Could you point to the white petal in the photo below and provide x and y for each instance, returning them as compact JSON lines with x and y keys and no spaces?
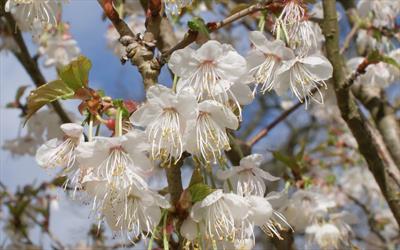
{"x":260,"y":210}
{"x":146,"y":114}
{"x":238,"y":205}
{"x":197,"y":212}
{"x":46,"y":151}
{"x":319,"y":66}
{"x":220,"y":114}
{"x":186,"y":104}
{"x":189,"y":138}
{"x":231,"y":66}
{"x":264,"y":174}
{"x":189,"y":229}
{"x":91,"y":154}
{"x":210,"y":51}
{"x":255,"y":58}
{"x":182,"y":62}
{"x":226,"y":174}
{"x":72,"y":129}
{"x":212,"y":198}
{"x":260,"y":41}
{"x":136,"y":142}
{"x":252,"y":161}
{"x":242,"y":93}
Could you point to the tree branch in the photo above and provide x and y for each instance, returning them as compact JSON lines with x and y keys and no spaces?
{"x":370,"y":143}
{"x":140,"y":52}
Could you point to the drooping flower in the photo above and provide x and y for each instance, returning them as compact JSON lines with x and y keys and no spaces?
{"x":135,"y":214}
{"x":56,"y":152}
{"x":120,"y":161}
{"x":295,"y":28}
{"x":174,"y":7}
{"x":27,"y":12}
{"x":248,"y":178}
{"x":383,"y":13}
{"x":210,"y":70}
{"x":164,"y":116}
{"x":206,"y":136}
{"x":325,"y":235}
{"x":377,"y":75}
{"x":305,"y":207}
{"x":304,"y":76}
{"x":265,"y":59}
{"x":59,"y":50}
{"x":219,"y":211}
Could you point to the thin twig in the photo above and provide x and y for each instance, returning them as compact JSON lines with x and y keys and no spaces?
{"x":349,"y":38}
{"x":275,"y":122}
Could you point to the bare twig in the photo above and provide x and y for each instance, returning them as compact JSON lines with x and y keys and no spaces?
{"x":349,"y":38}
{"x":273,"y":124}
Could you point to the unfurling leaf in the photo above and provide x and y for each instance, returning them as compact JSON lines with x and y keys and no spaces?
{"x":198,"y":24}
{"x":20,"y":92}
{"x":46,"y":94}
{"x":199,"y":191}
{"x":76,"y":74}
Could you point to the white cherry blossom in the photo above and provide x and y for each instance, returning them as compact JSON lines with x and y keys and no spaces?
{"x":219,"y":212}
{"x":27,"y":12}
{"x":248,"y":178}
{"x":174,"y":7}
{"x":325,"y":235}
{"x":164,"y":116}
{"x":120,"y":161}
{"x":293,"y":25}
{"x":384,"y":13}
{"x":206,"y":136}
{"x":303,"y":76}
{"x":377,"y":75}
{"x":56,"y":152}
{"x":210,"y":70}
{"x":59,"y":50}
{"x":304,"y":207}
{"x":265,"y":59}
{"x":135,"y":214}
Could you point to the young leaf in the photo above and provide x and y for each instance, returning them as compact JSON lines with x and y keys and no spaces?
{"x":46,"y":94}
{"x":198,"y":24}
{"x":76,"y":74}
{"x":20,"y":92}
{"x":199,"y":191}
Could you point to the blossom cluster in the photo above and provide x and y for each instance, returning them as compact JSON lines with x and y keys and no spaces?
{"x":42,"y":18}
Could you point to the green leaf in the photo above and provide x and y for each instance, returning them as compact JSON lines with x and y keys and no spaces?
{"x":198,"y":24}
{"x":76,"y":74}
{"x":288,"y":161}
{"x":300,"y":154}
{"x":200,"y":191}
{"x":376,"y":56}
{"x":119,"y":7}
{"x":46,"y":94}
{"x":391,"y":61}
{"x":20,"y":92}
